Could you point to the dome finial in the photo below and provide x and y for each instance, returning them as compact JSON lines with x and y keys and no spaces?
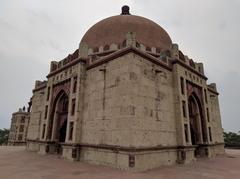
{"x":125,"y":10}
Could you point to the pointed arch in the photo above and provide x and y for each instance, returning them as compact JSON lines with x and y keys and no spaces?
{"x":58,"y":117}
{"x":196,"y":117}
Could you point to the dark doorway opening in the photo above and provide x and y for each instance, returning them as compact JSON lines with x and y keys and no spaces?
{"x":61,"y":113}
{"x":193,"y":109}
{"x":62,"y":132}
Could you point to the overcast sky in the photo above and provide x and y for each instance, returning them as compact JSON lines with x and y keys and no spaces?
{"x":32,"y":33}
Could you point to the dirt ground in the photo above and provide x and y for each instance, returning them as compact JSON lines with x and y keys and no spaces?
{"x":16,"y":163}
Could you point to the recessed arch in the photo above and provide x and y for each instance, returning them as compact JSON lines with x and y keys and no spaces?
{"x":58,"y":117}
{"x":196,"y":117}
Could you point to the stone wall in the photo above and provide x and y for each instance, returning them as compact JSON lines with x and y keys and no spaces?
{"x":128,"y":104}
{"x":215,"y":118}
{"x":141,"y":161}
{"x":37,"y":112}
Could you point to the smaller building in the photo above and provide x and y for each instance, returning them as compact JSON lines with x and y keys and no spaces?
{"x":19,"y":126}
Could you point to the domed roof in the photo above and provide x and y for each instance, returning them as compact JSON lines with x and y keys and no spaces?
{"x":114,"y":30}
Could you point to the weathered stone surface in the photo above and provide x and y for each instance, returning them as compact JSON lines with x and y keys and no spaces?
{"x":19,"y":128}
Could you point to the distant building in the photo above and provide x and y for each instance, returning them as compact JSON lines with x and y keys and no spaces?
{"x":127,"y":98}
{"x":18,"y":129}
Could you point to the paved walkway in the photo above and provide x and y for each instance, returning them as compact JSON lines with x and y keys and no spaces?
{"x":16,"y":163}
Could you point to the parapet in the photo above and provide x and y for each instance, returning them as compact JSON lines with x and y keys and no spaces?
{"x":93,"y":55}
{"x":198,"y":67}
{"x":212,"y":86}
{"x":71,"y":57}
{"x":39,"y":85}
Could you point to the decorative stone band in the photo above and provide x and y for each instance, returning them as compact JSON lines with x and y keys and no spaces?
{"x":21,"y":112}
{"x":189,"y":68}
{"x":17,"y":142}
{"x":213,"y":91}
{"x":76,"y":61}
{"x":92,"y":64}
{"x":40,"y":87}
{"x":149,"y":57}
{"x":126,"y":51}
{"x":127,"y":149}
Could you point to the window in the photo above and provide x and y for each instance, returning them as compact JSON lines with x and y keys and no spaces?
{"x":73,"y":106}
{"x":186,"y":132}
{"x":199,"y":69}
{"x":210,"y":133}
{"x":70,"y":131}
{"x":74,"y":85}
{"x":43,"y":131}
{"x":23,"y":119}
{"x":182,"y":85}
{"x":190,"y":75}
{"x":48,"y":93}
{"x":131,"y":161}
{"x":21,"y":129}
{"x":184,"y":109}
{"x":20,"y":137}
{"x":205,"y":94}
{"x":46,"y":112}
{"x":208,"y":115}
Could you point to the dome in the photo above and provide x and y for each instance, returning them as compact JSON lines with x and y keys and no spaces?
{"x":114,"y":30}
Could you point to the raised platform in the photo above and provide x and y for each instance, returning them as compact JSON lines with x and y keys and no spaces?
{"x":128,"y":158}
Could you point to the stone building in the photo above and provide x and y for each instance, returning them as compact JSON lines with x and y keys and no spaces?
{"x":126,"y":98}
{"x":18,"y":129}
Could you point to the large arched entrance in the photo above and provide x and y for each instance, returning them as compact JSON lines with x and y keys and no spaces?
{"x":60,"y":114}
{"x":196,"y":122}
{"x":194,"y":116}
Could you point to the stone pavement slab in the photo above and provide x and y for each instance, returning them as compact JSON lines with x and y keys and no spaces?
{"x":16,"y":163}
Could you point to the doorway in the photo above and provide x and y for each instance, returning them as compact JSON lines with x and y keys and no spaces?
{"x":60,"y":116}
{"x":196,"y":122}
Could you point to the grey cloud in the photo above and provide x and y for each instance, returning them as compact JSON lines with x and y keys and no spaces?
{"x":222,"y":25}
{"x":39,"y":15}
{"x":5,"y":25}
{"x":55,"y":46}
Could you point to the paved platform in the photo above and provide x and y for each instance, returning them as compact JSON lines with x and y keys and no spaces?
{"x":16,"y":163}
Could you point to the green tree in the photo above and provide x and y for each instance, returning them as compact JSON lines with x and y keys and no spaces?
{"x":231,"y":139}
{"x":4,"y":136}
